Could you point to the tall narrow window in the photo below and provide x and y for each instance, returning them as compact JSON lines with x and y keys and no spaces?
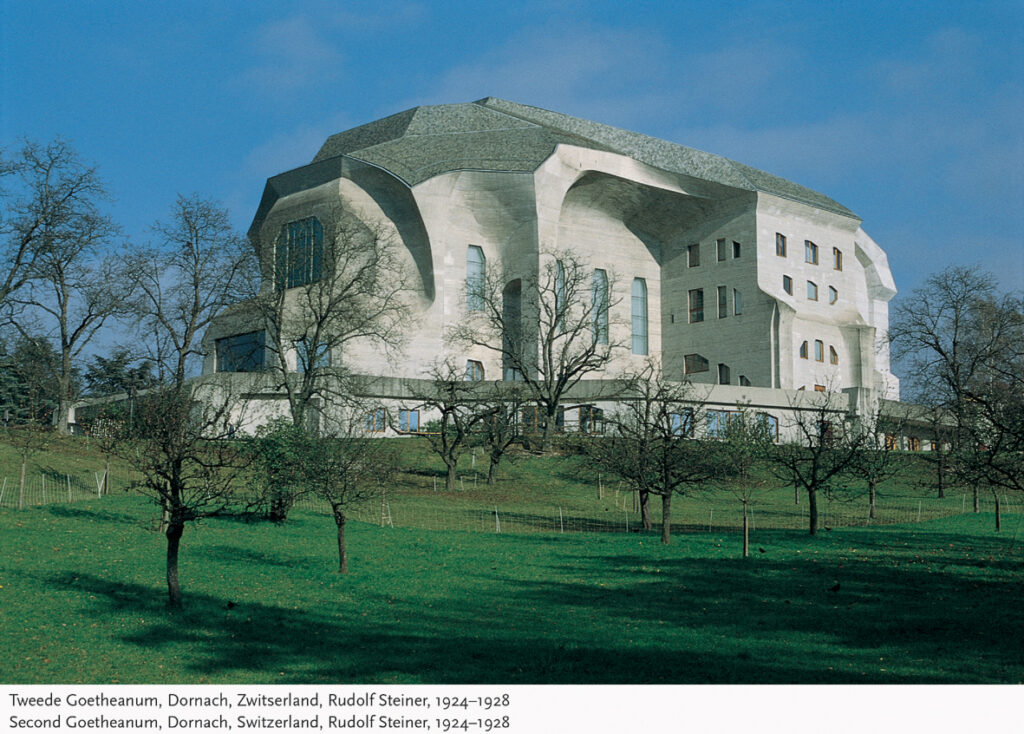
{"x":299,"y":253}
{"x":693,"y":255}
{"x":837,"y":258}
{"x":833,"y":295}
{"x":812,"y":291}
{"x":735,"y":249}
{"x":474,"y":371}
{"x":737,"y":302}
{"x":723,"y":250}
{"x":780,"y":244}
{"x":476,"y":272}
{"x":723,"y":374}
{"x":599,"y":302}
{"x":833,"y":355}
{"x":639,"y":316}
{"x":810,"y":252}
{"x":375,"y":420}
{"x":803,"y":351}
{"x":409,"y":420}
{"x":723,"y":301}
{"x":696,"y":305}
{"x":819,"y":351}
{"x":787,"y":284}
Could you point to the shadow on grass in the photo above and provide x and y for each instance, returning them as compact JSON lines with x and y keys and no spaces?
{"x":891,"y":619}
{"x":95,"y":514}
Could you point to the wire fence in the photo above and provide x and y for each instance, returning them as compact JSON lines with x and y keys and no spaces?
{"x":618,"y":513}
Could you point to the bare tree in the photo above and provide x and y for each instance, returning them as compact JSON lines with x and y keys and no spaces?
{"x":178,"y":439}
{"x":875,"y":458}
{"x":821,"y":448}
{"x":198,"y":266}
{"x":746,"y":438}
{"x":347,"y":284}
{"x":53,"y":195}
{"x":550,"y":330}
{"x":499,"y":426}
{"x":458,"y":402}
{"x":653,"y":443}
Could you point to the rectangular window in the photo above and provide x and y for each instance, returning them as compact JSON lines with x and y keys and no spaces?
{"x":803,"y":351}
{"x":696,"y":305}
{"x":812,"y":291}
{"x":723,"y":301}
{"x":837,"y":258}
{"x":681,"y":423}
{"x":833,"y":295}
{"x":693,"y":255}
{"x":833,"y":355}
{"x":892,"y":442}
{"x":735,"y":249}
{"x":307,"y":359}
{"x":476,"y":275}
{"x":591,"y":420}
{"x":723,"y":374}
{"x":376,"y":420}
{"x":599,"y":296}
{"x":810,"y":252}
{"x":409,"y":420}
{"x":819,"y":351}
{"x":694,"y":363}
{"x":780,"y":244}
{"x":474,"y":371}
{"x":723,"y":250}
{"x":744,"y":381}
{"x":639,"y":298}
{"x":718,"y":423}
{"x":769,"y":424}
{"x":787,"y":284}
{"x":241,"y":353}
{"x":819,"y":388}
{"x":737,"y":302}
{"x":299,"y":253}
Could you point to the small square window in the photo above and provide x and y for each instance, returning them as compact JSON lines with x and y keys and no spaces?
{"x":723,"y":251}
{"x":693,"y":363}
{"x":812,"y":291}
{"x":811,"y":252}
{"x":744,"y":381}
{"x":780,"y":244}
{"x":787,"y":284}
{"x":833,"y":295}
{"x":735,"y":249}
{"x":837,"y":258}
{"x":693,"y":255}
{"x":819,"y":388}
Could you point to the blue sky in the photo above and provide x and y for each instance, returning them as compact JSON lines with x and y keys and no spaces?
{"x":911,"y":113}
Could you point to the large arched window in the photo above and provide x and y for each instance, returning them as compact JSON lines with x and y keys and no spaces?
{"x":599,"y":303}
{"x":299,"y":253}
{"x":639,"y":316}
{"x":476,"y":271}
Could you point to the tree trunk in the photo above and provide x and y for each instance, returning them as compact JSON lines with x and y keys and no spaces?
{"x":666,"y":518}
{"x":21,"y":487}
{"x":645,"y":509}
{"x":871,"y":500}
{"x":106,"y":476}
{"x":977,"y":500}
{"x":746,"y":532}
{"x":942,"y":474}
{"x":548,"y":436}
{"x":812,"y":510}
{"x":998,"y":518}
{"x":492,"y":470}
{"x":449,"y":481}
{"x":796,"y":495}
{"x":339,"y":519}
{"x":174,"y":531}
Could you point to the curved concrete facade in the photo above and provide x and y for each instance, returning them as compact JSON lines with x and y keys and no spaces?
{"x":520,"y":183}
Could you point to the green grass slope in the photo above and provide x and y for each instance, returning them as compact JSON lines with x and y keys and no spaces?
{"x":82,"y":601}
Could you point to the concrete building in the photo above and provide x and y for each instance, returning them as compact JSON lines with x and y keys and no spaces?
{"x":727,"y":274}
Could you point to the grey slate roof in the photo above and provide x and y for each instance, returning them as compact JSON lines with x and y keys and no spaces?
{"x":495,"y":134}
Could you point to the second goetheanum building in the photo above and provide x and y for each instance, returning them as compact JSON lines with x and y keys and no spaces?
{"x":727,"y":275}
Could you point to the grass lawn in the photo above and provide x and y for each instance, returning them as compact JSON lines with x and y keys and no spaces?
{"x":82,"y":601}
